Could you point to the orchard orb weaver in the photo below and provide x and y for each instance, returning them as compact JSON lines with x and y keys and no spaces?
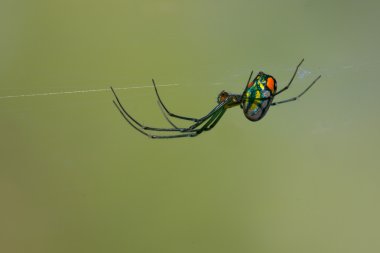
{"x":255,"y":101}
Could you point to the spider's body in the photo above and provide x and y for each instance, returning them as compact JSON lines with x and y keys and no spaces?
{"x":255,"y":101}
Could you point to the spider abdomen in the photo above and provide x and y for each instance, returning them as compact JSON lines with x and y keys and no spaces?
{"x":258,"y":96}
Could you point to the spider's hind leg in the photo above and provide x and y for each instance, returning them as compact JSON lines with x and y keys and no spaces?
{"x":297,"y":97}
{"x":291,"y":80}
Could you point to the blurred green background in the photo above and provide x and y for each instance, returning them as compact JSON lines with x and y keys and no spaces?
{"x":74,"y":177}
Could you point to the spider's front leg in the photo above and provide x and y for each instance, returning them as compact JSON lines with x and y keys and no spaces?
{"x":213,"y":116}
{"x":163,"y":107}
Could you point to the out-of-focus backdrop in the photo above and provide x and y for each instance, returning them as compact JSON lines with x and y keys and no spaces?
{"x":75,"y":177}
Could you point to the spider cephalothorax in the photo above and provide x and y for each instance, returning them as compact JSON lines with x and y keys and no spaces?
{"x":255,"y":101}
{"x":223,"y":95}
{"x":234,"y":99}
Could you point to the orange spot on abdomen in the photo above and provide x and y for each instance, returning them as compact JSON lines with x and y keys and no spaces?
{"x":270,"y":84}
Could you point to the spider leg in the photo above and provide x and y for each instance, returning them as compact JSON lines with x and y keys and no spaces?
{"x":291,"y":80}
{"x":249,"y":79}
{"x":126,"y":118}
{"x":191,"y":133}
{"x":165,"y":115}
{"x":191,"y":128}
{"x":220,"y":106}
{"x":216,"y":120}
{"x":151,"y":135}
{"x":121,"y":108}
{"x":297,"y":97}
{"x":166,"y":110}
{"x":212,"y":121}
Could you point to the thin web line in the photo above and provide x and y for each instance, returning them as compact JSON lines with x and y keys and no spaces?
{"x":83,"y":91}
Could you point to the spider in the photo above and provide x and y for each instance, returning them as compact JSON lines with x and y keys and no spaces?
{"x":255,"y":101}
